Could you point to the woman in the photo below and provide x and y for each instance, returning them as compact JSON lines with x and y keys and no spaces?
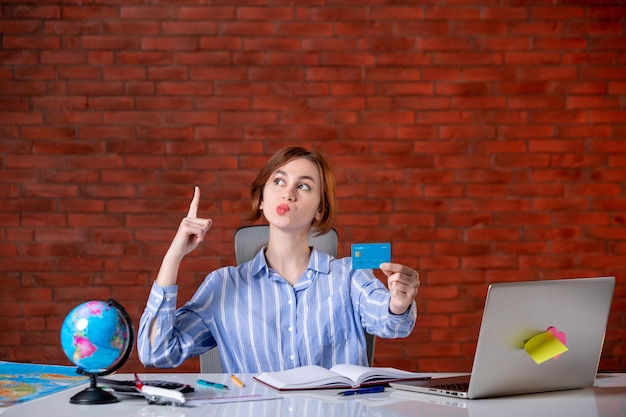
{"x":291,"y":305}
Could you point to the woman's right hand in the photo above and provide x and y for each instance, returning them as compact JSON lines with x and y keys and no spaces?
{"x":191,"y":231}
{"x":189,"y":235}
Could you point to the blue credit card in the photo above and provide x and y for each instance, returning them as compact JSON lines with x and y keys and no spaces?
{"x":370,"y":255}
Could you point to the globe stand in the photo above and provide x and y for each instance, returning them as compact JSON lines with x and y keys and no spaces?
{"x":93,"y":394}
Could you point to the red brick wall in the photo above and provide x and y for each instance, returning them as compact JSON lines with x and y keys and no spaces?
{"x":485,"y":141}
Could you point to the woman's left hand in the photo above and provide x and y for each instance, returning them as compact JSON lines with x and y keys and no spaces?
{"x":403,"y":283}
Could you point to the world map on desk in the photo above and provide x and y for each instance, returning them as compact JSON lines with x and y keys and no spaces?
{"x":21,"y":382}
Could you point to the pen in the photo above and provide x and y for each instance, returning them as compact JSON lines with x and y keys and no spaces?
{"x":211,"y":384}
{"x":367,"y":390}
{"x":237,"y":381}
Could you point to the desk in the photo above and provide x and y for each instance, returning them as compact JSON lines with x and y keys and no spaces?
{"x":607,"y":398}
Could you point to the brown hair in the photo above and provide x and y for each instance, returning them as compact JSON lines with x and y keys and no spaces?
{"x":327,"y":197}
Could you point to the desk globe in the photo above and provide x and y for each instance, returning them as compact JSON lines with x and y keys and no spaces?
{"x":98,"y":338}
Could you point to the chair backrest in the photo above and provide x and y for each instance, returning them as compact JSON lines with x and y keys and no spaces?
{"x":248,"y":241}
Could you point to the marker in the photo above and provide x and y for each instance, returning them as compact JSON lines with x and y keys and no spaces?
{"x":210,"y":384}
{"x":367,"y":390}
{"x":237,"y":381}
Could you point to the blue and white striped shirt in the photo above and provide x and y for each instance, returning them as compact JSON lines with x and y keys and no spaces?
{"x":262,"y":323}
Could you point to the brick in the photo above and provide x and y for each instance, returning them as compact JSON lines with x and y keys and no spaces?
{"x":352,"y":103}
{"x":387,"y":74}
{"x":617,"y":161}
{"x":124,"y":73}
{"x":551,"y":72}
{"x":399,"y":13}
{"x":572,"y":161}
{"x":292,"y":58}
{"x":145,"y":57}
{"x":216,"y":43}
{"x":74,"y":117}
{"x":372,"y":28}
{"x":310,"y":29}
{"x":546,"y":263}
{"x":520,"y":249}
{"x":218,"y":13}
{"x":176,"y":27}
{"x":437,"y":117}
{"x":184,"y":88}
{"x":532,"y":58}
{"x":609,"y":43}
{"x":605,"y":233}
{"x":31,"y":42}
{"x":426,"y":31}
{"x":596,"y":189}
{"x":590,"y":58}
{"x":595,"y":28}
{"x":26,"y":264}
{"x":90,"y":12}
{"x":165,"y":103}
{"x":397,"y":117}
{"x":62,"y":57}
{"x":160,"y":43}
{"x":346,"y":59}
{"x":543,"y":145}
{"x":607,"y":12}
{"x":249,"y":58}
{"x":403,"y":59}
{"x":535,"y":161}
{"x":607,"y":175}
{"x":167,"y":73}
{"x":598,"y":131}
{"x":607,"y":116}
{"x":246,"y":28}
{"x":80,"y":73}
{"x":39,"y":73}
{"x":527,"y":102}
{"x":277,"y":103}
{"x":9,"y":26}
{"x":388,"y":44}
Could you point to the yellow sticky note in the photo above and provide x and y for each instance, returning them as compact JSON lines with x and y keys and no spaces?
{"x":544,"y":346}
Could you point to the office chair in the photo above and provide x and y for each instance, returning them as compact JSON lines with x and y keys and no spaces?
{"x":248,"y":241}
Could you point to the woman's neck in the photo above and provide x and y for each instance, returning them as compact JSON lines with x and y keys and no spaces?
{"x":288,"y":254}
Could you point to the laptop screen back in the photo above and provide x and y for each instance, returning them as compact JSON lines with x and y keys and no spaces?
{"x":516,"y":312}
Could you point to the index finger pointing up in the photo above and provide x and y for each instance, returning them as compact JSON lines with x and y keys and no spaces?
{"x":193,"y":207}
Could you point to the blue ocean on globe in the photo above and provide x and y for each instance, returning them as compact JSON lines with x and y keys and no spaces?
{"x":95,"y":336}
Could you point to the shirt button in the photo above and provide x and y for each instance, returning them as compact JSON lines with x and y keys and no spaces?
{"x":168,"y":298}
{"x":292,"y":357}
{"x":290,"y":329}
{"x":290,"y":302}
{"x":309,"y":273}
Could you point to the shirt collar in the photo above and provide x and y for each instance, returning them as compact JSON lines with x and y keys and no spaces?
{"x":319,"y":263}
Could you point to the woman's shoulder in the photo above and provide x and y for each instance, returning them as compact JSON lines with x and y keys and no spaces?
{"x":225,"y":272}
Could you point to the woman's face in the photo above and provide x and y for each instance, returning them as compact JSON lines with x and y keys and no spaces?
{"x":292,"y":194}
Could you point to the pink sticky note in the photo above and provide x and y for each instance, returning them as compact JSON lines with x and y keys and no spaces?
{"x":546,"y":345}
{"x":559,"y":335}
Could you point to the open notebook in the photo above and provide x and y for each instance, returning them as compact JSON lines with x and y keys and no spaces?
{"x":516,"y":354}
{"x":339,"y":376}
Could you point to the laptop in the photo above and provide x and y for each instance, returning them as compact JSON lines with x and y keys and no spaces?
{"x":515,"y":312}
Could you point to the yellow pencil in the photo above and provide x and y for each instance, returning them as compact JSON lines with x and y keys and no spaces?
{"x":237,"y":381}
